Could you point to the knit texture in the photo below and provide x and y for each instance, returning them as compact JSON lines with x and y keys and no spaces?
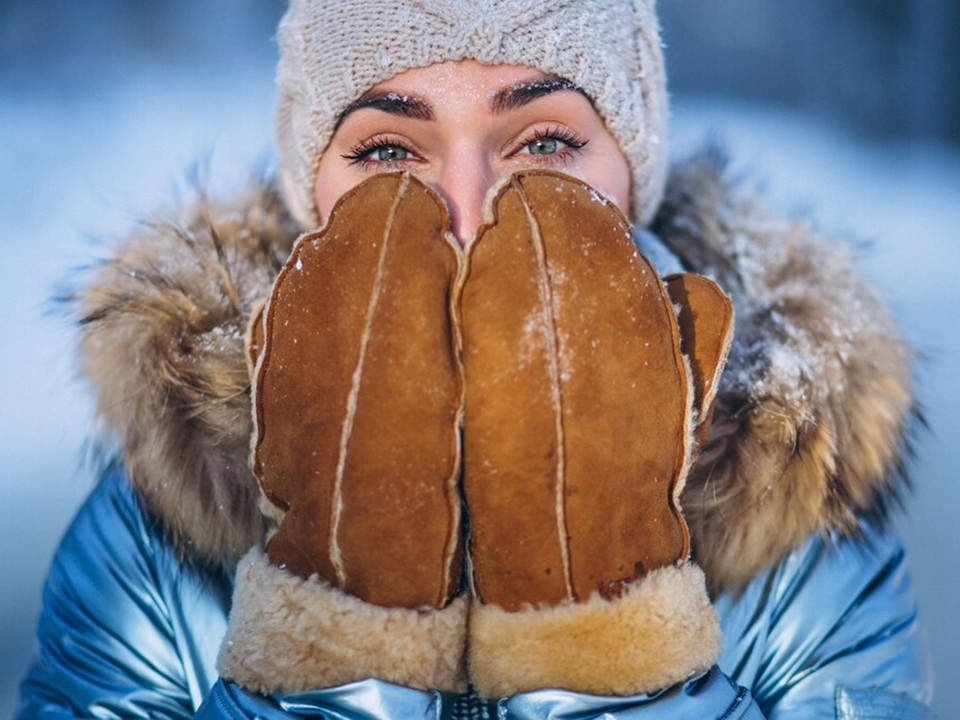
{"x":332,"y":51}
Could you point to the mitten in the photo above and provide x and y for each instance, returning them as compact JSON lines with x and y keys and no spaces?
{"x":586,"y":381}
{"x":357,"y":394}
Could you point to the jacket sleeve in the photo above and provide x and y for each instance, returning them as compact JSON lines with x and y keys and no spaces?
{"x":362,"y":700}
{"x":711,"y":696}
{"x":110,"y":639}
{"x":831,"y":632}
{"x":129,"y":630}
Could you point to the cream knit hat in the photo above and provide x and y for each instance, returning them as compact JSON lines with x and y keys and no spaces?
{"x":332,"y":51}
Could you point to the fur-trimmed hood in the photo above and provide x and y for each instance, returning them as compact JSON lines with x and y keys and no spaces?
{"x":808,"y":429}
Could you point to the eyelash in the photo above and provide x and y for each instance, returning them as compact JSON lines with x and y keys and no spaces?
{"x":569,"y":138}
{"x":360,"y":153}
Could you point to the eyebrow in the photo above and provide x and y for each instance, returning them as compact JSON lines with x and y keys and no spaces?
{"x":392,"y":103}
{"x":504,"y":100}
{"x":525,"y":93}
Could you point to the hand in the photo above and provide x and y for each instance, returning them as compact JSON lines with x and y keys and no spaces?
{"x":357,"y":394}
{"x":579,"y":430}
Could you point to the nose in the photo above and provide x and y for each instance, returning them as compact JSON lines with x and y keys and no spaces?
{"x":464,"y":185}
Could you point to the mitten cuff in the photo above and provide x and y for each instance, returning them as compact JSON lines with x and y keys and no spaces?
{"x":661,"y":631}
{"x":287,"y":634}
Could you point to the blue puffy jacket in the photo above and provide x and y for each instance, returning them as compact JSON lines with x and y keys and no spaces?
{"x":786,"y":504}
{"x":128,"y":630}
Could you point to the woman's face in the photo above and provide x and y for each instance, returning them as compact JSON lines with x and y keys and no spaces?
{"x":462,"y":126}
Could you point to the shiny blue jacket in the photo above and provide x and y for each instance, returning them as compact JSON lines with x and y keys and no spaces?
{"x":784,"y":504}
{"x":130,"y":631}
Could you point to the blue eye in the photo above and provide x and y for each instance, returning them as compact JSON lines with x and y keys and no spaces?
{"x":543,"y":146}
{"x":391,"y":153}
{"x":378,"y":150}
{"x":553,"y":144}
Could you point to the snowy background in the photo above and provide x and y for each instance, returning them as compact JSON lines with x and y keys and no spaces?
{"x":105,"y":109}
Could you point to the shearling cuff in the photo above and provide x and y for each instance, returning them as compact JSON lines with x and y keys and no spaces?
{"x":661,"y":631}
{"x":287,"y":634}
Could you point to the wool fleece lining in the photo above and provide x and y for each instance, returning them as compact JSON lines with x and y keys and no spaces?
{"x":267,"y":647}
{"x":661,"y":631}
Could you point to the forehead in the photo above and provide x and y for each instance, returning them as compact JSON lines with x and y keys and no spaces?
{"x":460,"y":81}
{"x":464,"y":72}
{"x":426,"y":93}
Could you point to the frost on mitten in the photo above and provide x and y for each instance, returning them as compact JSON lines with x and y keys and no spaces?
{"x":357,"y":394}
{"x":579,"y":429}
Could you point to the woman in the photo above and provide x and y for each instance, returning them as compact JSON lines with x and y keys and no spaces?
{"x":489,"y":109}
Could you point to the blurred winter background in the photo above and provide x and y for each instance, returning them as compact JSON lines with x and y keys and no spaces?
{"x":847,"y":108}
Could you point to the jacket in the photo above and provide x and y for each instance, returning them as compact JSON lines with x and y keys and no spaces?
{"x":787,"y":506}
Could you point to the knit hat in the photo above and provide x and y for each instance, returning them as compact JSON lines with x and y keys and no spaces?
{"x":332,"y":51}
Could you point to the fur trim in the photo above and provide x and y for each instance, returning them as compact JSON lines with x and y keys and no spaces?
{"x":810,"y":415}
{"x":808,"y":427}
{"x":287,"y":634}
{"x":162,"y":342}
{"x":661,"y":631}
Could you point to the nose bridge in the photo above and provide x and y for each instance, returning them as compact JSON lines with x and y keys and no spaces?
{"x":464,"y":181}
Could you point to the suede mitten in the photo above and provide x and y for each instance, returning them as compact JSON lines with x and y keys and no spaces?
{"x":585,"y":388}
{"x":357,"y":394}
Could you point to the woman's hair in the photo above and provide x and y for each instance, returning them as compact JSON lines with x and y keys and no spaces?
{"x":333,"y":51}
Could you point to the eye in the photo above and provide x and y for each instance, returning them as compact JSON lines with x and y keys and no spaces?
{"x":552,"y":142}
{"x":543,"y":146}
{"x":379,"y":150}
{"x":391,"y":153}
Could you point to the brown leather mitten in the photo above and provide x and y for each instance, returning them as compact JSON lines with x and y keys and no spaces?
{"x":579,"y":425}
{"x":357,"y":394}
